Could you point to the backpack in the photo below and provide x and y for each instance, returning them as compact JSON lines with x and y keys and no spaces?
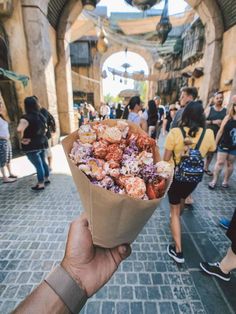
{"x":51,"y":124}
{"x":191,"y":167}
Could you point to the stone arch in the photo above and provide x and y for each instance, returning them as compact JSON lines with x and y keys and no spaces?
{"x":7,"y":87}
{"x":208,"y":12}
{"x":4,"y":49}
{"x":146,"y":55}
{"x":211,"y":18}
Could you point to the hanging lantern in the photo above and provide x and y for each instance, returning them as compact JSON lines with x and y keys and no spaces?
{"x":89,"y":5}
{"x":164,"y":26}
{"x":159,"y":64}
{"x":143,"y":4}
{"x":102,"y":44}
{"x":104,"y":74}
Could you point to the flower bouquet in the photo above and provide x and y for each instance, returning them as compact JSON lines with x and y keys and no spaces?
{"x":117,"y":170}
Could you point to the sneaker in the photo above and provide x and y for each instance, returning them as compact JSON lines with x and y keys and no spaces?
{"x":214,"y":269}
{"x":224,"y":223}
{"x":178,"y":257}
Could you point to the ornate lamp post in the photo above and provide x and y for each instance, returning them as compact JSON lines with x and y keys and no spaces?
{"x":164,"y":26}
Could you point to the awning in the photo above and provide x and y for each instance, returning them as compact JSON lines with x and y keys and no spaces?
{"x":126,"y":93}
{"x":6,"y":74}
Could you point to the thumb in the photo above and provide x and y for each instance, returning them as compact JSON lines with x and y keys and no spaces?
{"x":120,"y":253}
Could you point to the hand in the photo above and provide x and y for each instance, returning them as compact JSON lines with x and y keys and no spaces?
{"x":90,"y":266}
{"x":218,"y":122}
{"x":25,"y":141}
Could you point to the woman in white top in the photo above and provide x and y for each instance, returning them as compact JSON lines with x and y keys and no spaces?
{"x":5,"y":147}
{"x":132,"y":113}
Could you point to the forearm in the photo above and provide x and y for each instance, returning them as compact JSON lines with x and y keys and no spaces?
{"x":218,"y":136}
{"x":42,"y":300}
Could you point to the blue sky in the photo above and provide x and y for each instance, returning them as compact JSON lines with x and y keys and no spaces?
{"x":137,"y":63}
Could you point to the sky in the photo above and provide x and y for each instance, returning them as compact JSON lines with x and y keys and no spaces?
{"x":113,"y":87}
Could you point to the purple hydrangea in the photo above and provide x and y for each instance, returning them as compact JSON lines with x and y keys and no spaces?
{"x":148,"y":173}
{"x":117,"y":189}
{"x":132,"y":149}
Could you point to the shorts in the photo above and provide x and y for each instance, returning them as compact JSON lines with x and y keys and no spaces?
{"x":5,"y":152}
{"x":227,"y":151}
{"x":180,"y":190}
{"x":231,"y":232}
{"x":48,"y":151}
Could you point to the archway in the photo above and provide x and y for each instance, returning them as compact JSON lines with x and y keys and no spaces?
{"x":145,"y":58}
{"x":208,"y":12}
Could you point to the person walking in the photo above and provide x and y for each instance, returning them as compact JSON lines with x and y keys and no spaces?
{"x":193,"y":125}
{"x":160,"y":115}
{"x":32,"y":130}
{"x":51,"y":129}
{"x":104,"y":111}
{"x":132,"y":112}
{"x":214,"y":117}
{"x":169,"y":118}
{"x":226,"y":138}
{"x":222,"y":269}
{"x":119,"y":111}
{"x":187,"y":95}
{"x":152,"y":118}
{"x":5,"y":147}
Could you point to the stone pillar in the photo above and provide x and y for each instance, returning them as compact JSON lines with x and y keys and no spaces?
{"x":98,"y":93}
{"x":40,"y":54}
{"x":64,"y":87}
{"x":70,"y":13}
{"x":152,"y":84}
{"x":212,"y":70}
{"x":233,"y":90}
{"x":18,"y":50}
{"x":211,"y":18}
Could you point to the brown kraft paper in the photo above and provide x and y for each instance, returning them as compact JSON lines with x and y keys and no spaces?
{"x":114,"y":219}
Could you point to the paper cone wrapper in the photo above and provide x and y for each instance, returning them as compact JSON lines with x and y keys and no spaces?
{"x":114,"y":219}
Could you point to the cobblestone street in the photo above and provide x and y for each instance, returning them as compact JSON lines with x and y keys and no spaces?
{"x":33,"y":233}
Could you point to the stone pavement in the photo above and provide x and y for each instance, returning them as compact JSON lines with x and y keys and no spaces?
{"x":33,"y":228}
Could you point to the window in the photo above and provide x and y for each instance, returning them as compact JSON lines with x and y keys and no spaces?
{"x":80,"y":53}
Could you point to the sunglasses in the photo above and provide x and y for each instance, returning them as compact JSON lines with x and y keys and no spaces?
{"x":175,"y":109}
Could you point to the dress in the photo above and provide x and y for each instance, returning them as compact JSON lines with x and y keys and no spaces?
{"x":5,"y":144}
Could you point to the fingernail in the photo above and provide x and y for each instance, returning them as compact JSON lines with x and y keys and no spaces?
{"x":124,"y":249}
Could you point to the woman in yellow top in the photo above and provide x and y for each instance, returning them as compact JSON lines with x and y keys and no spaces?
{"x":193,"y":122}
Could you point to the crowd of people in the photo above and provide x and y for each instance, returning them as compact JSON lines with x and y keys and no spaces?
{"x":189,"y":129}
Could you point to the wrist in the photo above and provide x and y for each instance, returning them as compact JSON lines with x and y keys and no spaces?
{"x":69,"y":291}
{"x":74,"y":274}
